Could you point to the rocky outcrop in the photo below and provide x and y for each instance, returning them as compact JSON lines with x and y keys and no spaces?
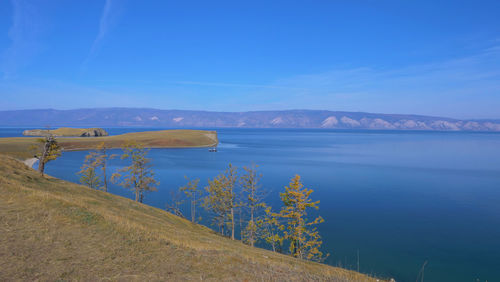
{"x":35,"y":132}
{"x":329,"y":122}
{"x":94,"y":132}
{"x":349,"y":122}
{"x":68,"y":132}
{"x":277,"y":121}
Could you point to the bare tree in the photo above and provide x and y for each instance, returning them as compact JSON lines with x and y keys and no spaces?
{"x":174,"y":204}
{"x":192,"y":192}
{"x":252,"y":200}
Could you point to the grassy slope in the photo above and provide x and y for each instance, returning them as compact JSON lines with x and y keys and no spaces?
{"x":51,"y":229}
{"x":19,"y":146}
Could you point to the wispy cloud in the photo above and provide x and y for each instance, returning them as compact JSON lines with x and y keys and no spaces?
{"x":105,"y":24}
{"x":460,"y":87}
{"x":481,"y":68}
{"x":236,"y":85}
{"x":464,"y":87}
{"x":24,"y":33}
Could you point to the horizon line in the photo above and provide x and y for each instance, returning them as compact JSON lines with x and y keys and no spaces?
{"x":213,"y":111}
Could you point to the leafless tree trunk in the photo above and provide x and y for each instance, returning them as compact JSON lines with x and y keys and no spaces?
{"x":104,"y":165}
{"x":193,"y":208}
{"x":232,"y":223}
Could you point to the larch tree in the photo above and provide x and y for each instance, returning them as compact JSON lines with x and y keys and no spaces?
{"x":216,"y":202}
{"x":192,"y":193}
{"x":50,"y":150}
{"x":252,"y":201}
{"x":95,"y":160}
{"x":230,"y":186}
{"x":101,"y":158}
{"x":270,"y":232}
{"x":174,"y":202}
{"x":88,"y":175}
{"x":221,"y":199}
{"x":139,"y":175}
{"x":303,"y":237}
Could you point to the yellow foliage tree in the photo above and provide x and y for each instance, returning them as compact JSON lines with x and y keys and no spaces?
{"x":139,"y":175}
{"x":304,"y":238}
{"x":97,"y":159}
{"x":50,"y":151}
{"x":269,"y":228}
{"x":88,"y":175}
{"x":101,"y":158}
{"x":221,"y":199}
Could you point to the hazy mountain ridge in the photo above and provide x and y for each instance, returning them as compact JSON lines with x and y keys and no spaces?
{"x":109,"y":117}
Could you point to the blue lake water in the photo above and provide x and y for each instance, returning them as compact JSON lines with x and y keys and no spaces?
{"x":399,"y":198}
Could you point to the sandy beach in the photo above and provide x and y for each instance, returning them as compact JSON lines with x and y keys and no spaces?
{"x":30,"y":162}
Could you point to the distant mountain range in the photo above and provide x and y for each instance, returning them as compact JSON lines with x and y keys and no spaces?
{"x":136,"y":117}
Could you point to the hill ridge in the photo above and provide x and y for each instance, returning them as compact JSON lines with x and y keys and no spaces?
{"x":148,"y":117}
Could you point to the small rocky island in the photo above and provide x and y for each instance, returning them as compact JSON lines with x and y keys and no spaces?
{"x":68,"y":132}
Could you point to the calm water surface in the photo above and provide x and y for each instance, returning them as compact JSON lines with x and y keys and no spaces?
{"x":399,"y":198}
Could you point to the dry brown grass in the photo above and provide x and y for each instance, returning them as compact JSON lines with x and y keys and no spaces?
{"x":63,"y":131}
{"x":19,"y":147}
{"x":51,"y":229}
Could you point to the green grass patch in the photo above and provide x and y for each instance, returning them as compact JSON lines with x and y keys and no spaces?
{"x":83,"y":216}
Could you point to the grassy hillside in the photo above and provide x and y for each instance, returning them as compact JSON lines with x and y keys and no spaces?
{"x":51,"y":229}
{"x":19,"y":146}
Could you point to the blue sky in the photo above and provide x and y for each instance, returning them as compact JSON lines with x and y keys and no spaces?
{"x":422,"y":57}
